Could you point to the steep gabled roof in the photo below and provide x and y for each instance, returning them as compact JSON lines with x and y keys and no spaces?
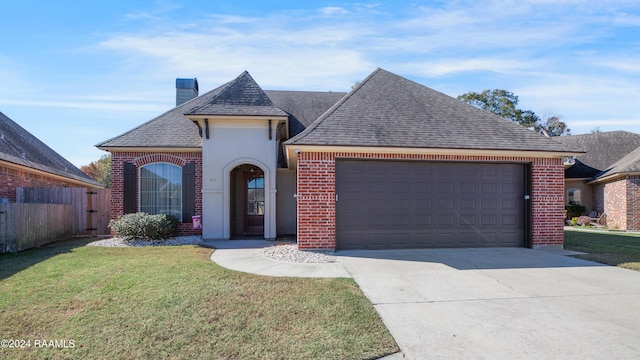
{"x":242,"y":96}
{"x":386,"y":110}
{"x":603,"y":149}
{"x":174,"y":130}
{"x":20,"y":147}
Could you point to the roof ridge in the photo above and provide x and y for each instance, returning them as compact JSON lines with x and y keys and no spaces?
{"x":332,"y":109}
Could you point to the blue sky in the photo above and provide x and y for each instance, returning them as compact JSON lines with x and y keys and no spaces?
{"x":75,"y":73}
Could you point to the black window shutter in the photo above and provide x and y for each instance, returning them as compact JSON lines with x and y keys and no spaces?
{"x":188,"y":191}
{"x":129,"y":191}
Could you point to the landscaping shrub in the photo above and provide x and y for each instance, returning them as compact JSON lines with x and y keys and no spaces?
{"x":574,"y":209}
{"x":144,"y":226}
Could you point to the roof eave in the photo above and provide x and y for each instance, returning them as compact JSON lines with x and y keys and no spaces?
{"x":614,"y":176}
{"x":112,"y":149}
{"x":89,"y":182}
{"x":293,"y":149}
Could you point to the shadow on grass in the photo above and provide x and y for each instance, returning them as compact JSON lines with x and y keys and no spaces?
{"x":13,"y":263}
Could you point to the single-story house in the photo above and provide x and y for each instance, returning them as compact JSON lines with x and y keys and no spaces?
{"x":26,"y":161}
{"x":391,"y":164}
{"x":606,"y":179}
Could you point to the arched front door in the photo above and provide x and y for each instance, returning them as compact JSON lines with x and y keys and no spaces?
{"x":253,"y":202}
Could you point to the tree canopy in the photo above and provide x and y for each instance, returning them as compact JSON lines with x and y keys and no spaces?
{"x":504,"y":103}
{"x":99,"y":170}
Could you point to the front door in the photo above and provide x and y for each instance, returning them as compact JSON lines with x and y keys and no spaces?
{"x":254,"y":202}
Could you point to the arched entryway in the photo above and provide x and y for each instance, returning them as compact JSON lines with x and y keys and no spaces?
{"x":247,"y":201}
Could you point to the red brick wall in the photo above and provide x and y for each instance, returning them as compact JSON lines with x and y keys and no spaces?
{"x":633,"y":202}
{"x":615,"y":204}
{"x":142,"y":158}
{"x":316,"y":195}
{"x":10,"y":179}
{"x":598,"y":198}
{"x":547,"y":201}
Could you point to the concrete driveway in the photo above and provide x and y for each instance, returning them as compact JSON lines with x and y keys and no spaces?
{"x":505,"y":303}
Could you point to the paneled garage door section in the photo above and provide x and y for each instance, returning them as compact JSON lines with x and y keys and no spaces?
{"x":411,"y":204}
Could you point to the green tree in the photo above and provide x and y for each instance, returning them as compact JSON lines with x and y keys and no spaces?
{"x":553,"y":126}
{"x":502,"y":103}
{"x":99,"y":170}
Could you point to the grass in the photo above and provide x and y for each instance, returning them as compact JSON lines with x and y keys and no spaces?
{"x":173,"y":302}
{"x":614,"y":248}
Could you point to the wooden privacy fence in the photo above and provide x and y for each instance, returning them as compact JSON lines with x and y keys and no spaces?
{"x":90,"y":208}
{"x":25,"y":226}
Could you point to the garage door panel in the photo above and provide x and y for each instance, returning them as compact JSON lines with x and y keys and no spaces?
{"x":489,"y":204}
{"x":509,"y":204}
{"x":445,"y":239}
{"x":489,"y":188}
{"x":377,"y":186}
{"x":445,"y":187}
{"x":508,"y":220}
{"x":423,"y":187}
{"x":403,"y":204}
{"x":467,"y":188}
{"x":509,"y":188}
{"x":423,"y":220}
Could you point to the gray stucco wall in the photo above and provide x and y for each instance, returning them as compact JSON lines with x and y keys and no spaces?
{"x":286,"y":203}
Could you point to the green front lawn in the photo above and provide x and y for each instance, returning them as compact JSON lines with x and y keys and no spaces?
{"x":173,"y":302}
{"x":613,"y":248}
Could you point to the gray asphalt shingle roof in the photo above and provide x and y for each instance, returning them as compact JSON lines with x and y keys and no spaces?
{"x":303,"y":107}
{"x":169,"y":130}
{"x":386,"y":110}
{"x":20,"y":147}
{"x":174,"y":130}
{"x":603,"y":149}
{"x":242,"y":96}
{"x":628,"y":164}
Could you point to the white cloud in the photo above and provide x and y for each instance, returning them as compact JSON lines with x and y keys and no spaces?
{"x":442,"y":67}
{"x":333,"y":10}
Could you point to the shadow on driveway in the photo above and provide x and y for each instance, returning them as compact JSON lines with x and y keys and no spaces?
{"x":477,"y":258}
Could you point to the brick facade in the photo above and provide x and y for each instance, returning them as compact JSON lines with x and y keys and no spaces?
{"x":316,"y":194}
{"x":143,"y":158}
{"x":633,"y":202}
{"x":620,"y":201}
{"x":11,"y":178}
{"x":615,"y":204}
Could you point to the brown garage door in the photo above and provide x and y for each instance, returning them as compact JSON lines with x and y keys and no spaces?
{"x":411,"y":204}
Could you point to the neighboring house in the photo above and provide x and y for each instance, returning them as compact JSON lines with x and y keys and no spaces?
{"x":606,"y":179}
{"x":391,"y":164}
{"x":26,"y":161}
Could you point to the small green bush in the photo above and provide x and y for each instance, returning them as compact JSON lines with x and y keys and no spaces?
{"x":574,"y":209}
{"x":144,"y":226}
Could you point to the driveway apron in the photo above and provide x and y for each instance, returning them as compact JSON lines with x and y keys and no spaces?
{"x":504,"y":303}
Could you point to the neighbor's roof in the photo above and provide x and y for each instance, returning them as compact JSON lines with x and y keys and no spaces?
{"x":242,"y":96}
{"x":386,"y":110}
{"x":629,"y":164}
{"x":20,"y":147}
{"x":603,"y":149}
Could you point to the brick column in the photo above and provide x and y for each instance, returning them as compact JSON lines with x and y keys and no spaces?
{"x":316,"y":201}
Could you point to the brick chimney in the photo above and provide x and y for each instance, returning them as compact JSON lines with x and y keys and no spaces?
{"x":186,"y":89}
